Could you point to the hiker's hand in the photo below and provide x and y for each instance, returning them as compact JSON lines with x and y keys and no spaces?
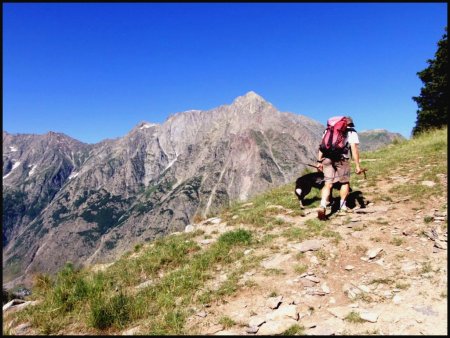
{"x":358,"y":170}
{"x":319,"y":167}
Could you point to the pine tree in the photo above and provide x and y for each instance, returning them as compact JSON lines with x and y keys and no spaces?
{"x":433,"y":99}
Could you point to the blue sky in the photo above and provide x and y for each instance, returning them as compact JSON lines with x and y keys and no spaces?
{"x":95,"y":70}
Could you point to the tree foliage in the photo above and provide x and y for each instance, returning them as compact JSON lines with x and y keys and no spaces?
{"x":433,"y":98}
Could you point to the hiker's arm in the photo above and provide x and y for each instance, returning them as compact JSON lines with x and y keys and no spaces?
{"x":355,"y":155}
{"x":319,"y":161}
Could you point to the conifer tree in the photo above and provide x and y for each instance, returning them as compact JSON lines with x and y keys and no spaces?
{"x":433,"y":98}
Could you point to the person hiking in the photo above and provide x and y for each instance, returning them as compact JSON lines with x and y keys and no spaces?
{"x":339,"y":141}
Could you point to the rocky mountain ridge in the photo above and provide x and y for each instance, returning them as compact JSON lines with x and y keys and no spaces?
{"x":376,"y":138}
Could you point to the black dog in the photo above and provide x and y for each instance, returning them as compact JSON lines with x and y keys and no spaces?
{"x":305,"y":183}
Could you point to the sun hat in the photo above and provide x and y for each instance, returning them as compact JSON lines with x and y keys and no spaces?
{"x":350,"y":121}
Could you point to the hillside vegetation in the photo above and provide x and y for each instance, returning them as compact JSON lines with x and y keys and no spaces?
{"x":220,"y":273}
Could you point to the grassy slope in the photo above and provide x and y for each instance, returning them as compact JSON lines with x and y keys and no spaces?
{"x":179,"y":269}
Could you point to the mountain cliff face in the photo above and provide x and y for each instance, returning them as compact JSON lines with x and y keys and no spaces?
{"x":35,"y":167}
{"x":69,"y":201}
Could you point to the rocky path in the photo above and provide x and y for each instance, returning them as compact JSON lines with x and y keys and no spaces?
{"x":387,"y":275}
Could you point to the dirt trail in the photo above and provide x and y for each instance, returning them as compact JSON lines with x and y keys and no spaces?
{"x":388,"y":273}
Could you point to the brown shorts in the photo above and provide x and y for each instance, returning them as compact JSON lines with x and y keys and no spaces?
{"x":336,"y":171}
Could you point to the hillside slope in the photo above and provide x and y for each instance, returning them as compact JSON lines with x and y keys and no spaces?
{"x":267,"y":267}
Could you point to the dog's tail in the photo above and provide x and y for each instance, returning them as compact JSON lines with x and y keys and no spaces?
{"x":298,"y":191}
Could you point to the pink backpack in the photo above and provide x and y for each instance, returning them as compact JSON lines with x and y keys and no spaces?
{"x":334,"y":142}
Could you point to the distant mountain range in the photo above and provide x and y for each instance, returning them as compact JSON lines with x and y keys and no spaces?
{"x":64,"y":200}
{"x":376,"y":138}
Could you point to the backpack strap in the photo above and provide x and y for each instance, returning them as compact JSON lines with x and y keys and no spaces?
{"x":349,"y":147}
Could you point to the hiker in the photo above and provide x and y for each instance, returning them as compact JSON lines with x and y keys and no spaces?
{"x":334,"y":160}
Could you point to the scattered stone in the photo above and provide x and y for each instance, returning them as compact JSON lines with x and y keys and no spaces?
{"x":206,"y":241}
{"x":12,"y":303}
{"x":315,"y":292}
{"x":364,"y":288}
{"x":275,"y":261}
{"x":314,"y":260}
{"x":282,"y":313}
{"x":21,"y":329}
{"x":325,"y":288}
{"x":214,"y":220}
{"x":369,"y":316}
{"x":397,"y":299}
{"x":372,"y":253}
{"x":131,"y":332}
{"x":248,"y":251}
{"x":226,"y":333}
{"x":189,"y":228}
{"x":431,"y":234}
{"x":202,"y":314}
{"x":329,"y":327}
{"x":256,"y":321}
{"x":440,"y":245}
{"x":312,"y":279}
{"x":309,"y":245}
{"x":308,"y":323}
{"x":144,"y":285}
{"x":252,"y":329}
{"x":321,"y":331}
{"x":350,"y":291}
{"x":428,"y":183}
{"x":274,"y":302}
{"x":276,"y":327}
{"x":19,"y":304}
{"x":349,"y":267}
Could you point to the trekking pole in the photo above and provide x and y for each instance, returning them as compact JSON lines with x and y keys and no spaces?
{"x":363,"y":170}
{"x":311,"y":165}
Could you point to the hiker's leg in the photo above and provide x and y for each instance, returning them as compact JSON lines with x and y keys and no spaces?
{"x":343,"y":170}
{"x":345,"y":190}
{"x":329,"y":173}
{"x":326,"y":192}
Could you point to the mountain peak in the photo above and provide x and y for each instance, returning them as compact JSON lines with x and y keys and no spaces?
{"x":145,"y":125}
{"x":250,"y":99}
{"x":250,"y":96}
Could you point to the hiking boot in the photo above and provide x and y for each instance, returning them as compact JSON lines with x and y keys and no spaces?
{"x":321,"y":214}
{"x":343,"y":211}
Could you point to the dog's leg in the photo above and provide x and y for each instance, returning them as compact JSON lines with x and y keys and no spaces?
{"x":298,"y":191}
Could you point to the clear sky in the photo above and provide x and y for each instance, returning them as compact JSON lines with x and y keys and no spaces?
{"x":95,"y":70}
